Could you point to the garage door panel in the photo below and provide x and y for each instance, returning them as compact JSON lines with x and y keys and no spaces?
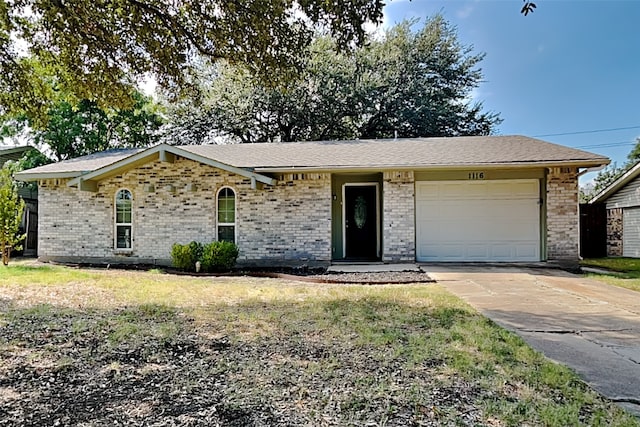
{"x":527,"y":250}
{"x":478,"y":221}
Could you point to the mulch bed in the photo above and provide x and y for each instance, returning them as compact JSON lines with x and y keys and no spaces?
{"x":303,"y":274}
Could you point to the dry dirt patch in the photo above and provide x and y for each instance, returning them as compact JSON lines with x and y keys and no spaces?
{"x":134,"y":348}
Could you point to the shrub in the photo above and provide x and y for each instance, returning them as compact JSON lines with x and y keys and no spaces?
{"x":196,"y":251}
{"x":184,"y":257}
{"x":214,"y":256}
{"x":217,"y":256}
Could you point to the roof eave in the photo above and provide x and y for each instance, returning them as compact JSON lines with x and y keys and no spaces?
{"x":35,"y":176}
{"x":17,"y":149}
{"x":503,"y":165}
{"x":616,"y":185}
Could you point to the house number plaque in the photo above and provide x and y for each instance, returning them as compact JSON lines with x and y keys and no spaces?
{"x":476,"y":175}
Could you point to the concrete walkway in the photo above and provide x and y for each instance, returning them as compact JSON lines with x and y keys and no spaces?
{"x":589,"y":326}
{"x":371,"y":267}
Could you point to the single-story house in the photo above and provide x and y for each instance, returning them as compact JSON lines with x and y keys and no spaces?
{"x":622,"y":201}
{"x":29,"y":223}
{"x":484,"y":198}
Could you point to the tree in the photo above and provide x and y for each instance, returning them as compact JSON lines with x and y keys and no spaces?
{"x":96,"y":50}
{"x":11,"y":210}
{"x":85,"y":128}
{"x":405,"y":83}
{"x":608,"y":175}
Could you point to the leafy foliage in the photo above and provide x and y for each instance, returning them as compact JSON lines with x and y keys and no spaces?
{"x":214,"y":256}
{"x":219,"y":256}
{"x":85,"y":128}
{"x":73,"y":130}
{"x":184,"y":257}
{"x":609,"y":174}
{"x":413,"y":83}
{"x":97,"y":50}
{"x":11,"y":210}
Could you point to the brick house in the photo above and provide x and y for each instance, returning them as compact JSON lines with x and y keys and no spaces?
{"x":622,"y":201}
{"x":486,"y":198}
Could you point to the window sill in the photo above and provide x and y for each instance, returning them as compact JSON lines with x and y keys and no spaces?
{"x":123,"y":251}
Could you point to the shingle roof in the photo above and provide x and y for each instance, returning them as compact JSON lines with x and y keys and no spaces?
{"x":415,"y":153}
{"x":86,"y":163}
{"x":407,"y":152}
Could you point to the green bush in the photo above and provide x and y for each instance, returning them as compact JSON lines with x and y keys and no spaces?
{"x":184,"y":257}
{"x":196,"y":251}
{"x":214,"y":256}
{"x":217,"y":256}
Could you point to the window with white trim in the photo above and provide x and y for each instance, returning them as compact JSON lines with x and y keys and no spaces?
{"x":123,"y":220}
{"x":227,"y":215}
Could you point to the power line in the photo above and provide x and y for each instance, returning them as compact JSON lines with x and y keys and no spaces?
{"x":606,"y":144}
{"x":587,"y":131}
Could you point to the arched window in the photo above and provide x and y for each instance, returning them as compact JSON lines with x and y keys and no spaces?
{"x":123,"y":220}
{"x":227,"y":215}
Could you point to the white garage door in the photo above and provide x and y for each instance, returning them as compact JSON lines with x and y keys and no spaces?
{"x":478,"y":220}
{"x":631,"y":232}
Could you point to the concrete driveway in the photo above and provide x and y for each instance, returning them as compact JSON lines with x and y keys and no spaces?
{"x":587,"y":325}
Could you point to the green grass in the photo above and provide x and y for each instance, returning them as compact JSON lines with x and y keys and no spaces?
{"x":630,"y":266}
{"x":625,"y":272}
{"x":265,"y":349}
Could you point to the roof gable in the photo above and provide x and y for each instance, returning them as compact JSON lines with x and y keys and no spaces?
{"x":617,"y":185}
{"x":164,"y":152}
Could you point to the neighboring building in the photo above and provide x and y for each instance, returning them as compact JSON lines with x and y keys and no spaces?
{"x":30,"y":197}
{"x":622,"y":201}
{"x":486,"y":198}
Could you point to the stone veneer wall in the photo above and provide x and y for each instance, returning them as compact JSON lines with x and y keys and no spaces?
{"x":288,"y":221}
{"x":614,"y":232}
{"x":398,"y":216}
{"x":563,"y":218}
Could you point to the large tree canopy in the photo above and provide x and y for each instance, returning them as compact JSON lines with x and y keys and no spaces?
{"x":404,"y":82}
{"x":85,"y":128}
{"x":95,"y":49}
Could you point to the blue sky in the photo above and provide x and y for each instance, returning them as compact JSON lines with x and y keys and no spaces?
{"x":571,"y":66}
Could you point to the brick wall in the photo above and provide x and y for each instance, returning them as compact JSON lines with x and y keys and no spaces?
{"x":176,"y":202}
{"x":398,"y":217}
{"x":563,"y":219}
{"x":614,"y":232}
{"x":289,"y":221}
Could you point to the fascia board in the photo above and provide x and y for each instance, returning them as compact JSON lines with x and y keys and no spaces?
{"x":366,"y":168}
{"x":27,"y":176}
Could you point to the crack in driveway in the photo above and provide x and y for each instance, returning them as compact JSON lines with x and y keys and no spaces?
{"x":573,"y":331}
{"x":590,"y":326}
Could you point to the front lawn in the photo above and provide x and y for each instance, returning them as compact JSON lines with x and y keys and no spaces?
{"x":91,"y":347}
{"x":629,"y":266}
{"x":625,"y":272}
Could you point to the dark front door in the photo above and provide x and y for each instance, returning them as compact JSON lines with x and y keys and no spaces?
{"x":593,"y":230}
{"x":361,"y":221}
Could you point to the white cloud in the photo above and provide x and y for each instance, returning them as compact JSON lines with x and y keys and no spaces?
{"x":465,"y":11}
